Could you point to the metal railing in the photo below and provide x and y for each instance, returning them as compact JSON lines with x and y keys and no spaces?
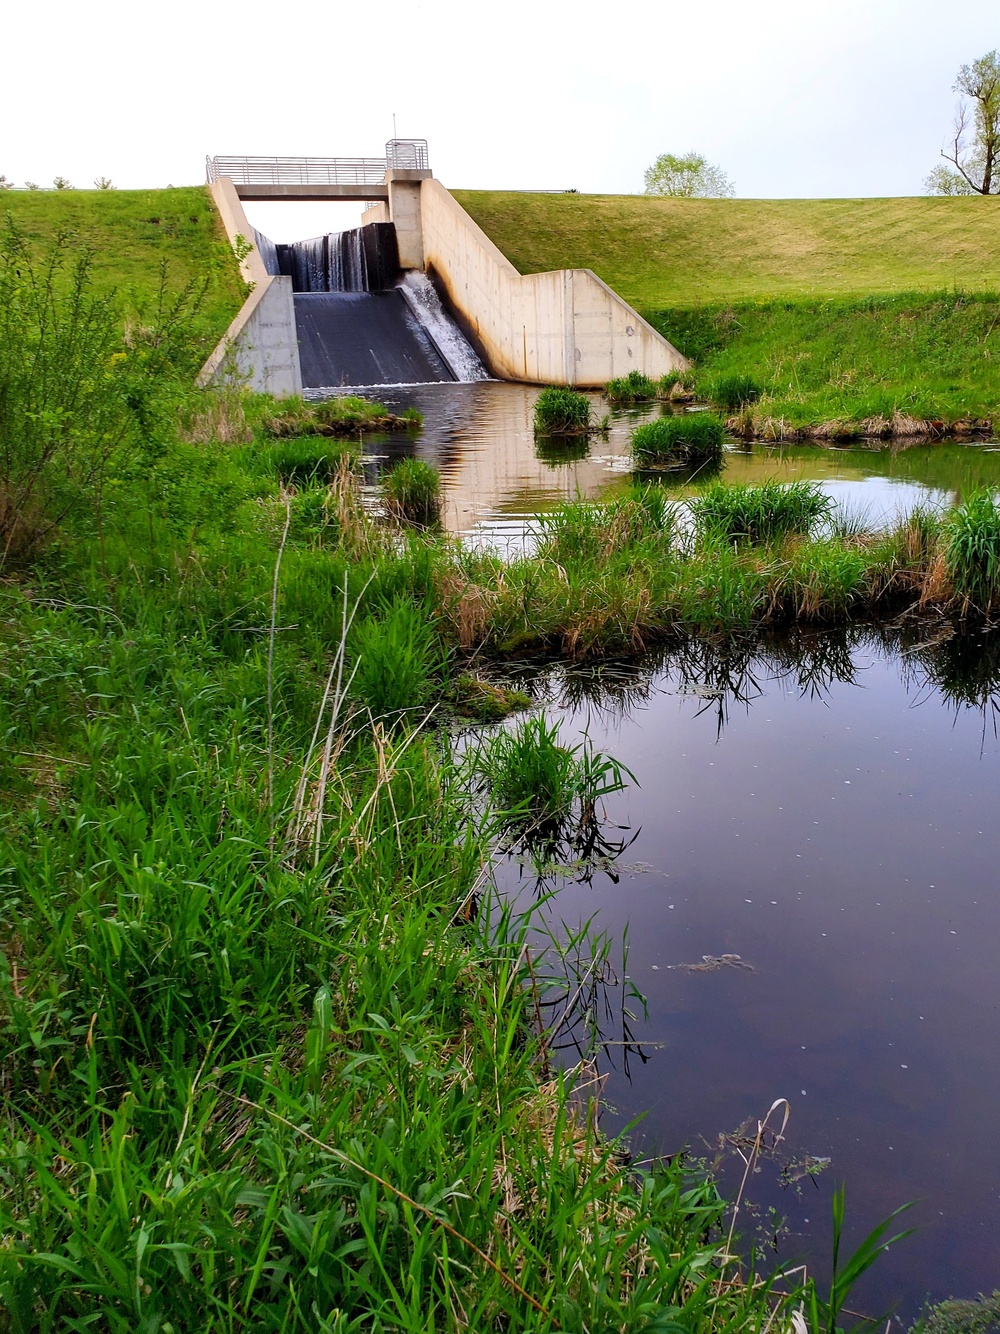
{"x":400,"y":155}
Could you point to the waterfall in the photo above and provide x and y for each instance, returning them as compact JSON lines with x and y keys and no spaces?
{"x":422,"y":298}
{"x":364,"y":259}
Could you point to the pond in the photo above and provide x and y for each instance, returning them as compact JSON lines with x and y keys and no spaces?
{"x":496,"y":476}
{"x":822,"y":810}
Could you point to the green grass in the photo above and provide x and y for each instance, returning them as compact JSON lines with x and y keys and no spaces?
{"x":762,"y":513}
{"x":632,"y":388}
{"x":411,"y":493}
{"x":133,"y":235}
{"x":843,"y":311}
{"x":561,"y":411}
{"x":690,"y":437}
{"x":663,"y":253}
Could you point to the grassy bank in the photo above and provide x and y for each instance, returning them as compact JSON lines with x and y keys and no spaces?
{"x":135,"y":237}
{"x":666,"y":253}
{"x":872,"y":316}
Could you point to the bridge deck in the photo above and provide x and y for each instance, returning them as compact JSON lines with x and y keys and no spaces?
{"x":300,"y":192}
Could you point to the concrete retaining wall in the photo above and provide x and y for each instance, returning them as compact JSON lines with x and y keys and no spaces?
{"x":260,"y":348}
{"x":564,"y":327}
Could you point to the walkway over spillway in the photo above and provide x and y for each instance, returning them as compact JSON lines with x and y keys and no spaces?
{"x":316,"y":178}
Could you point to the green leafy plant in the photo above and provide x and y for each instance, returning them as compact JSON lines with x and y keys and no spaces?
{"x":398,"y":660}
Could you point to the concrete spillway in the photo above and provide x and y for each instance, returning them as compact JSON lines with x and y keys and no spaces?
{"x":360,"y":321}
{"x":358,"y":338}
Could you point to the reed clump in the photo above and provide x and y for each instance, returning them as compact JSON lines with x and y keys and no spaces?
{"x":635,"y":387}
{"x":759,"y":514}
{"x":690,"y":437}
{"x":561,"y":411}
{"x":411,"y":493}
{"x":731,"y":393}
{"x":972,"y":551}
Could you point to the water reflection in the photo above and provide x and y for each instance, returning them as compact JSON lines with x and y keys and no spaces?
{"x":821,"y":807}
{"x":497,"y":475}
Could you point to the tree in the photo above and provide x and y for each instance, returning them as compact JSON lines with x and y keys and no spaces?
{"x":689,"y":177}
{"x":974,"y":148}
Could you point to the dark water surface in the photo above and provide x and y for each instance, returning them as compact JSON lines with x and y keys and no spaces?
{"x":496,"y":476}
{"x":828,"y":811}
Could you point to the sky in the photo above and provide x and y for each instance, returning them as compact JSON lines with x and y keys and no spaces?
{"x":792,"y":98}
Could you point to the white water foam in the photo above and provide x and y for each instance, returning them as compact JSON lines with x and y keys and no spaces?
{"x":451,"y":343}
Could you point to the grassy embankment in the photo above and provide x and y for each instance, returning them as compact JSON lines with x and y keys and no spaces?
{"x":266,"y":1062}
{"x":140,"y":239}
{"x":843,"y":310}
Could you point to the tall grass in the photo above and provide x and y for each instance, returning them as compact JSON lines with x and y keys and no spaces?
{"x":687,"y":438}
{"x":972,"y":554}
{"x":760,"y":513}
{"x":561,"y":411}
{"x":635,"y":387}
{"x":411,"y":493}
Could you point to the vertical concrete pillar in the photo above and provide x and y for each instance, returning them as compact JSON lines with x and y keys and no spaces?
{"x":404,"y":211}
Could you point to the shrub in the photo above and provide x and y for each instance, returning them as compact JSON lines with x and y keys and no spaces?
{"x":397,"y":660}
{"x":686,"y":438}
{"x":733,"y":392}
{"x":632,"y":388}
{"x":759,"y":513}
{"x":77,"y":398}
{"x":561,"y":411}
{"x":972,"y":554}
{"x":411,"y":493}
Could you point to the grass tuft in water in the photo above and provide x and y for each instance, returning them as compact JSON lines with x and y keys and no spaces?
{"x":561,"y":411}
{"x":686,"y":438}
{"x":759,"y":514}
{"x":632,"y":388}
{"x":972,"y":553}
{"x":411,"y":493}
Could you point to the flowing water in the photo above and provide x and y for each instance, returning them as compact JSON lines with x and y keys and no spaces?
{"x":806,"y":868}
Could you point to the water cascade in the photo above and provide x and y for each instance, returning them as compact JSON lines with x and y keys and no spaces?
{"x":360,"y":321}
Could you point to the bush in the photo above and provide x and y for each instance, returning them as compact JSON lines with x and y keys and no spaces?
{"x":972,"y":554}
{"x":759,"y":513}
{"x":561,"y":411}
{"x":411,"y":493}
{"x":733,"y":392}
{"x":397,"y":660}
{"x":77,"y":398}
{"x":686,"y":438}
{"x":632,"y":388}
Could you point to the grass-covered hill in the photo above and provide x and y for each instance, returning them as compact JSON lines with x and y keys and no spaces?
{"x":659,"y":253}
{"x":842,"y":309}
{"x":133,"y":236}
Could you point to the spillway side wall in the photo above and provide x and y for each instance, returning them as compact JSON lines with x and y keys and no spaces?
{"x":564,"y":327}
{"x":260,"y":348}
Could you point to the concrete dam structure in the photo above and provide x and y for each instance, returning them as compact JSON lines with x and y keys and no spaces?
{"x":417,"y":294}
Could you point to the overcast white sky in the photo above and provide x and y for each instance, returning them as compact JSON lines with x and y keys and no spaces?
{"x":790,"y":97}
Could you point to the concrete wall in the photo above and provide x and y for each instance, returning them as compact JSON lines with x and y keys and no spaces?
{"x":565,"y":327}
{"x":260,"y":348}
